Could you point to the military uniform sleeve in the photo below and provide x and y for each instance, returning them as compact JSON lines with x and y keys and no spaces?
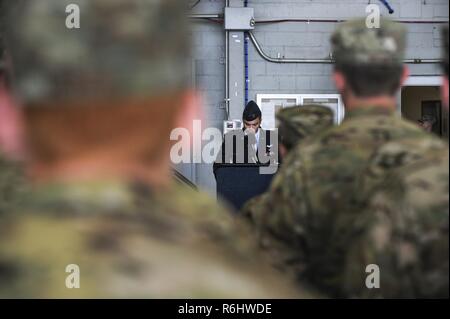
{"x":280,"y":213}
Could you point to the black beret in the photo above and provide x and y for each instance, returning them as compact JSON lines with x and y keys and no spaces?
{"x":251,"y":112}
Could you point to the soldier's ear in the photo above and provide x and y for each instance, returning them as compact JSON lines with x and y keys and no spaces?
{"x":283,"y":151}
{"x":339,"y":81}
{"x":11,"y":126}
{"x":190,"y":113}
{"x":444,"y":92}
{"x":191,"y":109}
{"x":405,"y":75}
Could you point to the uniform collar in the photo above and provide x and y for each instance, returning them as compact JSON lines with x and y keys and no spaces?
{"x":369,"y":111}
{"x":88,"y":195}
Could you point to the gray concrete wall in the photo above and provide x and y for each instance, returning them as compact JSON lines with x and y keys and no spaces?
{"x":297,"y":40}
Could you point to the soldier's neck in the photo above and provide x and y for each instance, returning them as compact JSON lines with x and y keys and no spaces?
{"x":123,"y":139}
{"x":387,"y":102}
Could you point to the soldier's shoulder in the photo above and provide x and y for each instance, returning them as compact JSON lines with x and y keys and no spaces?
{"x":368,"y":131}
{"x":256,"y":205}
{"x":140,"y":249}
{"x":13,"y":182}
{"x":412,"y":145}
{"x":193,"y":199}
{"x":195,"y":206}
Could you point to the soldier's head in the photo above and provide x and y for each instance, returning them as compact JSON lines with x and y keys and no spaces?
{"x":427,"y":122}
{"x":369,"y":61}
{"x":299,"y":122}
{"x":252,"y":117}
{"x":445,"y":58}
{"x":102,"y":76}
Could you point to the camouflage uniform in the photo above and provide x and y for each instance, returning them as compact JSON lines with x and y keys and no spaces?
{"x":12,"y":180}
{"x":297,"y":123}
{"x":128,"y":238}
{"x":130,"y":242}
{"x":13,"y":183}
{"x":373,"y":190}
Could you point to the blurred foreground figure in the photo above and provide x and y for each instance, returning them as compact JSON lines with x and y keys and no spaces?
{"x":103,"y":219}
{"x":12,"y":179}
{"x":444,"y":89}
{"x":362,"y":210}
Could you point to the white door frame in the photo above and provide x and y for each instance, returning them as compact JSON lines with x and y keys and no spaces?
{"x":418,"y":80}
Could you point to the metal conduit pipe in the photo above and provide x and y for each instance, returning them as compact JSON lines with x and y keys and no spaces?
{"x":422,"y":61}
{"x":322,"y":61}
{"x":205,"y":16}
{"x":283,"y":60}
{"x":268,"y":21}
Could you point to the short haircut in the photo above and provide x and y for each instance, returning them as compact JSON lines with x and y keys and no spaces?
{"x":372,"y":80}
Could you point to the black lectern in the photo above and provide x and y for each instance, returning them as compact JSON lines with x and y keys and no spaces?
{"x":237,"y":183}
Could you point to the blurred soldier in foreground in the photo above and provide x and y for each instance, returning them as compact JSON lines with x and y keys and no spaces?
{"x":444,"y":89}
{"x":12,"y":179}
{"x":372,"y":191}
{"x":103,"y":219}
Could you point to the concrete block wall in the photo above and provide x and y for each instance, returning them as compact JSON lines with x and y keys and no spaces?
{"x":297,"y":40}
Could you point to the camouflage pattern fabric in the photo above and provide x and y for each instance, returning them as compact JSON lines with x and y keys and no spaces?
{"x":298,"y":122}
{"x":13,"y":183}
{"x":371,"y":191}
{"x":295,"y":124}
{"x":353,"y":43}
{"x":131,"y":242}
{"x":12,"y":180}
{"x":122,"y":48}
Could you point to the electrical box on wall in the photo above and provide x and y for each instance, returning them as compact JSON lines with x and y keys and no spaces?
{"x":239,"y":19}
{"x":229,"y":126}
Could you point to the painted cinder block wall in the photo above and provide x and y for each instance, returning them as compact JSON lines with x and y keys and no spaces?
{"x":297,"y":40}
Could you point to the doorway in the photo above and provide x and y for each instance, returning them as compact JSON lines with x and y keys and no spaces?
{"x":420,"y":101}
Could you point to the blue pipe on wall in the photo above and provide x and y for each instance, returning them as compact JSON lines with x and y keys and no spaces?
{"x":388,"y":6}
